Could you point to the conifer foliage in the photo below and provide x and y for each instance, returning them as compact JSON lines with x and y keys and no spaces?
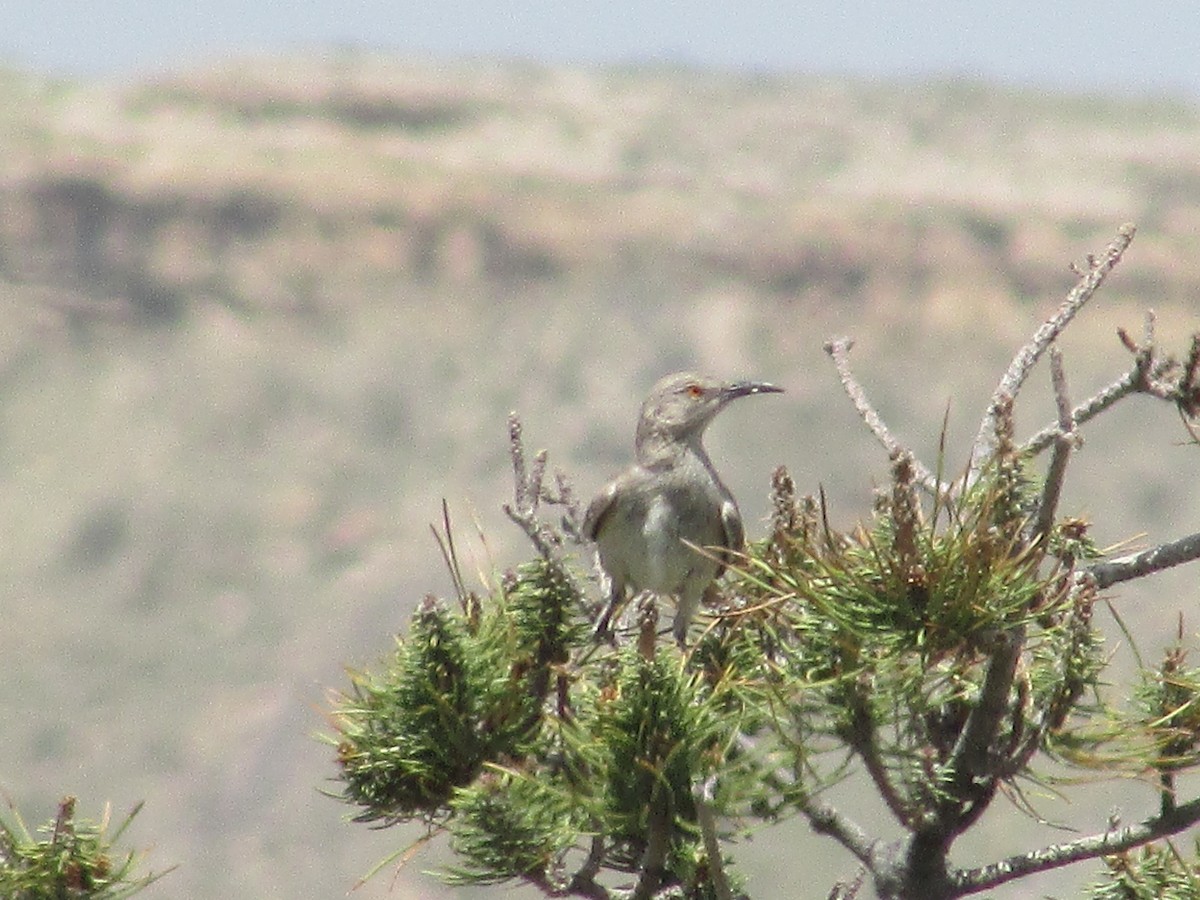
{"x":941,"y":648}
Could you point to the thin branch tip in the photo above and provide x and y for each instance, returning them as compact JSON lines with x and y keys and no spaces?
{"x":1090,"y":279}
{"x":839,"y":350}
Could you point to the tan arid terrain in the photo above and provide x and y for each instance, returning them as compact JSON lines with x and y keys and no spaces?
{"x":257,"y":321}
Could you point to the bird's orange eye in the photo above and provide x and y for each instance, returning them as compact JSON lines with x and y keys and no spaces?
{"x":695,"y":391}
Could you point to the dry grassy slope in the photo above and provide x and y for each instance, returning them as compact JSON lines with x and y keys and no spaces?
{"x":281,"y":183}
{"x":258,"y":321}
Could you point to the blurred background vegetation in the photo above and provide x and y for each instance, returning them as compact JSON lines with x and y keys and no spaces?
{"x":257,"y":320}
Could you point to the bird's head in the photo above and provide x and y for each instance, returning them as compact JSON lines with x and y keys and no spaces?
{"x":680,"y":406}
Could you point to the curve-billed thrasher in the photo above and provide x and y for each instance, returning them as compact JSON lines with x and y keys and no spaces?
{"x":644,"y":520}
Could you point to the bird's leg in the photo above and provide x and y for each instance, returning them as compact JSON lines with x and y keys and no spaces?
{"x":616,"y":598}
{"x":685,"y":611}
{"x":712,"y":598}
{"x":680,"y":630}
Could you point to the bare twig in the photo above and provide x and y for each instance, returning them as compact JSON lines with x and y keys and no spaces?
{"x":1027,"y":356}
{"x":966,"y":881}
{"x":1151,"y":371}
{"x":1165,"y":378}
{"x":1189,"y":382}
{"x":827,"y":820}
{"x":862,"y":740}
{"x":969,"y":763}
{"x":823,"y":817}
{"x":703,"y":793}
{"x":572,"y":519}
{"x":839,"y":350}
{"x":1137,"y":565}
{"x":528,"y":494}
{"x":1063,"y":444}
{"x":1129,"y":383}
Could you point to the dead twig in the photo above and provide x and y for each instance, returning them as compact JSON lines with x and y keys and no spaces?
{"x":839,"y":350}
{"x":1090,"y":280}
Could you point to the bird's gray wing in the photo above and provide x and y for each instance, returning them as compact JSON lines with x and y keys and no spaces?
{"x":733,"y":530}
{"x":598,"y":509}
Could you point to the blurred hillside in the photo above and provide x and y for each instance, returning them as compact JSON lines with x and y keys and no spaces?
{"x":257,"y":321}
{"x":284,"y":185}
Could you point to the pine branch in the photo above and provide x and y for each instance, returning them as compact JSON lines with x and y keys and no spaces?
{"x":658,"y":840}
{"x":969,"y":881}
{"x":969,"y":763}
{"x":862,"y":740}
{"x":1138,"y":565}
{"x":1027,"y":356}
{"x":826,"y":819}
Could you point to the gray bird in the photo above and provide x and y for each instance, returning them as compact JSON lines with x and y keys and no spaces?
{"x":644,"y":520}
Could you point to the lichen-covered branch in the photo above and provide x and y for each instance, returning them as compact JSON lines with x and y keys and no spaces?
{"x":1137,"y":565}
{"x":1127,"y":384}
{"x":1018,"y":370}
{"x":969,"y":881}
{"x":528,"y":494}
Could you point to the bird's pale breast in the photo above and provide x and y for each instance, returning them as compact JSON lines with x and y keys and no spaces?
{"x":649,"y":549}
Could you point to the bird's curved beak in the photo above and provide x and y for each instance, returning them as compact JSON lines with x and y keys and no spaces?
{"x":746,"y":388}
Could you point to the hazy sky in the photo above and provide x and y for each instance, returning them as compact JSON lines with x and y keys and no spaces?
{"x":1141,"y":46}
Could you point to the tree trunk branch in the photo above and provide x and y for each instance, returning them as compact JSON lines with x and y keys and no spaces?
{"x":1137,"y":565}
{"x":703,"y":794}
{"x":826,"y":819}
{"x":969,"y":881}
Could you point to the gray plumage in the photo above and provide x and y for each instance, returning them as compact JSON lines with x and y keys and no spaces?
{"x":643,"y":521}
